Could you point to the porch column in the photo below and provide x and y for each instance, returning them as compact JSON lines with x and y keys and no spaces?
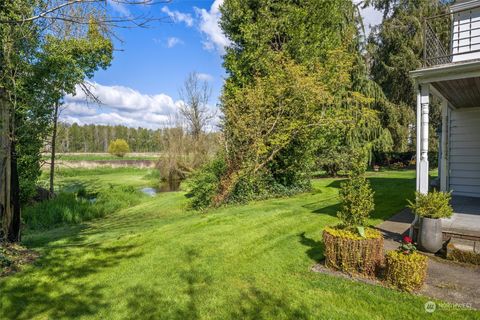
{"x":443,"y":172}
{"x":422,"y":137}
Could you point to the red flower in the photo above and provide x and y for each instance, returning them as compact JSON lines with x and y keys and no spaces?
{"x":407,"y":239}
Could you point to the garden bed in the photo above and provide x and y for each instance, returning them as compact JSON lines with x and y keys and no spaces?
{"x":13,"y":257}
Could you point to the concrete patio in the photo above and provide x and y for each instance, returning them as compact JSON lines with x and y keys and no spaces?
{"x":449,"y":281}
{"x":465,"y":222}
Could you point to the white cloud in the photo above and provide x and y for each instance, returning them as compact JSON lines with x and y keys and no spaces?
{"x":178,"y":16}
{"x":173,"y":41}
{"x":209,"y":26}
{"x":120,"y":105}
{"x":205,"y":76}
{"x":120,"y":8}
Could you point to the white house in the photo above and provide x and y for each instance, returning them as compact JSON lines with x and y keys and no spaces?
{"x":452,"y":74}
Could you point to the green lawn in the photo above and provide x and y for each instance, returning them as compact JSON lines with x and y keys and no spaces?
{"x":158,"y":261}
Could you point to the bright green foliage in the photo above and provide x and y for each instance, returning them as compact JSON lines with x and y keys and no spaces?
{"x":356,"y":197}
{"x":38,"y":68}
{"x":290,"y":88}
{"x":407,"y":272}
{"x":350,"y":234}
{"x":118,"y":147}
{"x":76,"y":207}
{"x":434,"y":205}
{"x":204,"y":184}
{"x":351,"y":254}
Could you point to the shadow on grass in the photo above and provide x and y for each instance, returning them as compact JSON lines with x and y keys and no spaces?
{"x":57,"y":285}
{"x":147,"y":302}
{"x":255,"y":303}
{"x":150,"y":303}
{"x":316,"y":248}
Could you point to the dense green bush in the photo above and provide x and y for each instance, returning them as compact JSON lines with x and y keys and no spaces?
{"x":405,"y":271}
{"x":347,"y":251}
{"x":357,"y":202}
{"x":118,"y":147}
{"x":434,"y":205}
{"x":72,"y":208}
{"x":205,"y":184}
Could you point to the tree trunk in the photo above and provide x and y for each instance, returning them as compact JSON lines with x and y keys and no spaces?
{"x":9,"y":184}
{"x":53,"y":146}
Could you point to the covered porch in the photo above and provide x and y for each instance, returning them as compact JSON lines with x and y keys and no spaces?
{"x":457,"y":87}
{"x":451,"y":75}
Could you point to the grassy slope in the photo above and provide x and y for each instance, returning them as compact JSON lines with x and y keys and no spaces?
{"x":158,"y":261}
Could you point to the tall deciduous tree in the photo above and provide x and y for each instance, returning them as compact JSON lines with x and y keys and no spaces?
{"x":195,"y":95}
{"x":291,"y":69}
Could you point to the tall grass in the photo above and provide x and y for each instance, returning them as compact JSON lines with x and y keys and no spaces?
{"x":75,"y":207}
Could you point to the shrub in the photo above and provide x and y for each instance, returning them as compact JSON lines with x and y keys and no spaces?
{"x":433,"y":205}
{"x":347,"y":251}
{"x":118,"y":147}
{"x":357,"y":202}
{"x":458,"y":255}
{"x":397,"y":166}
{"x":205,"y":183}
{"x":407,"y":272}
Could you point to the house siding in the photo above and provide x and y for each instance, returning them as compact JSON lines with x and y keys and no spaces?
{"x":464,"y":152}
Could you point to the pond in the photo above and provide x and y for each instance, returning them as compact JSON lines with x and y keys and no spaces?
{"x":163,"y":187}
{"x":149,"y":191}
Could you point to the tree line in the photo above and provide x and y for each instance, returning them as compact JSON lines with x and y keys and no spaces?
{"x":96,"y":138}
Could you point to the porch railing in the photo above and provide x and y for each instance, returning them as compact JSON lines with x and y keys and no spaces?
{"x":452,"y":37}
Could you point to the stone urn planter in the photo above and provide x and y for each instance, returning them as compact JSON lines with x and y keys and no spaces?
{"x":430,"y":234}
{"x":431,"y":207}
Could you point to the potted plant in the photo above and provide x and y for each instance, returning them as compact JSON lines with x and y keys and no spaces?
{"x":431,"y":207}
{"x":405,"y":268}
{"x":352,"y":247}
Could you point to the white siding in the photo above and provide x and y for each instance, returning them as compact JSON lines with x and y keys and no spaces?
{"x":466,"y":35}
{"x":464,"y":155}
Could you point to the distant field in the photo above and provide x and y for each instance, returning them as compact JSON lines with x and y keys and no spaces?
{"x":79,"y":156}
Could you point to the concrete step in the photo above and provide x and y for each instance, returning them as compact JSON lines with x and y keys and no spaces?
{"x":464,"y":250}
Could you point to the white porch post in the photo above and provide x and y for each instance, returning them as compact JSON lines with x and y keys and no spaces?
{"x":422,"y":137}
{"x":445,"y":145}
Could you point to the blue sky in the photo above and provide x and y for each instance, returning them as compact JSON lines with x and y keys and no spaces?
{"x":141,"y":86}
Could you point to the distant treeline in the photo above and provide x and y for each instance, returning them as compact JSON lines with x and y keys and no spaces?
{"x":95,"y":138}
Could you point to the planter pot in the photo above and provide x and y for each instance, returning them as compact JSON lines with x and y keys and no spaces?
{"x":430,"y":235}
{"x":345,"y":251}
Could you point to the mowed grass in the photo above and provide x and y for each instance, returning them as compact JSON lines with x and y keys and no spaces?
{"x":157,"y":260}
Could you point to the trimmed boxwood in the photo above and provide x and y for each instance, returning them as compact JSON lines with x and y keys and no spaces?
{"x":407,"y":272}
{"x":347,"y":251}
